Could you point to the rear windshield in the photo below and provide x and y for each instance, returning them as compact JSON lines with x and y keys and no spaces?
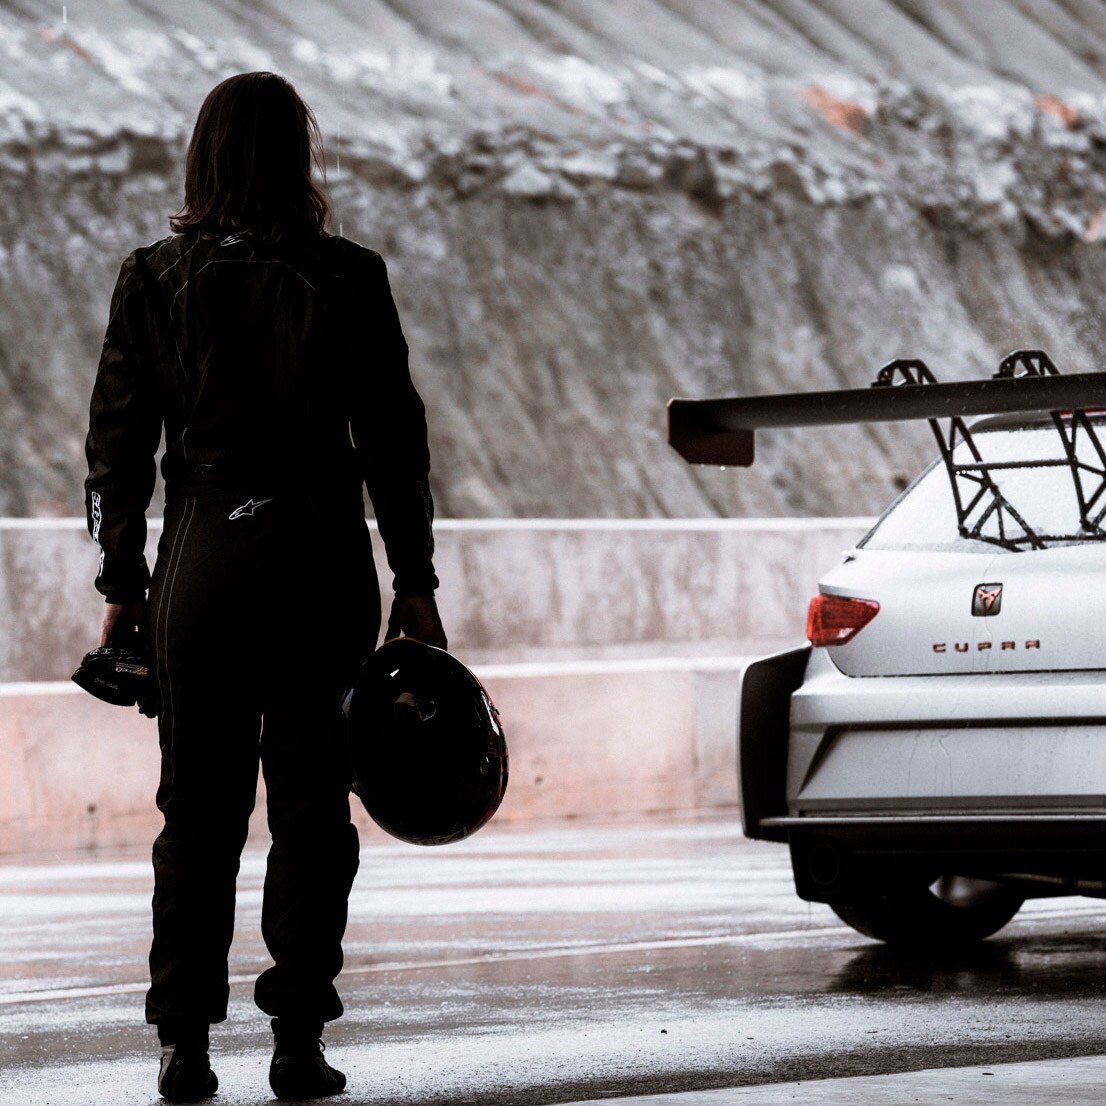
{"x":924,"y":516}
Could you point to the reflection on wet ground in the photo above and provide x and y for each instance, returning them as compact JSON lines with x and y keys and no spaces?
{"x":1051,"y":965}
{"x":550,"y":964}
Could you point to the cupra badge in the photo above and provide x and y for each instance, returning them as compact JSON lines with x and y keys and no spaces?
{"x":987,"y":599}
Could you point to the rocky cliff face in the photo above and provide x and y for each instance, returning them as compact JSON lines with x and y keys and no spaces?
{"x":588,"y":206}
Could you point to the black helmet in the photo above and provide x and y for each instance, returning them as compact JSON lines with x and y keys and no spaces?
{"x":428,"y":753}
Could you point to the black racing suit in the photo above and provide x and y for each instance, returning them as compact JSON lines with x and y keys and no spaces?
{"x":279,"y":373}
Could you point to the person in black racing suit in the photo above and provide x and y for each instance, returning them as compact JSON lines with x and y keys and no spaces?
{"x":272,"y":354}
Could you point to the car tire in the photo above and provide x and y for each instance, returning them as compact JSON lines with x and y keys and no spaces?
{"x":952,"y":911}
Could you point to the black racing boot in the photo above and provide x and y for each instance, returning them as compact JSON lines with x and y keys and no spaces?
{"x":298,"y":1070}
{"x":186,"y":1074}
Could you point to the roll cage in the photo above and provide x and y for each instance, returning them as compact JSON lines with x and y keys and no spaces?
{"x":721,"y":432}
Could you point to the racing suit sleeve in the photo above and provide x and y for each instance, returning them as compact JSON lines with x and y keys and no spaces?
{"x":388,"y":427}
{"x":124,"y":429}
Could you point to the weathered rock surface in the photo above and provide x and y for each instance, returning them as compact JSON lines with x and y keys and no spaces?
{"x":589,"y":206}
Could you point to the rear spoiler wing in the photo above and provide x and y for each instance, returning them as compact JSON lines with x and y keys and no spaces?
{"x":721,"y":431}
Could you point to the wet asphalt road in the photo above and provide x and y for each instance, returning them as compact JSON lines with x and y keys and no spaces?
{"x":541,"y":965}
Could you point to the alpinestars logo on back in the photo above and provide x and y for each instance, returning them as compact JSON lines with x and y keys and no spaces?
{"x":247,"y":509}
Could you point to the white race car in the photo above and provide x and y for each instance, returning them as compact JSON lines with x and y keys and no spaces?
{"x":937,"y":753}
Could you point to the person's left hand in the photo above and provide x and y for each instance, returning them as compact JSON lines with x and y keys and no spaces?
{"x":123,"y":620}
{"x":416,"y":616}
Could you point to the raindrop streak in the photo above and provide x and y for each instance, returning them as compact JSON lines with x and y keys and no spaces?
{"x":64,"y":14}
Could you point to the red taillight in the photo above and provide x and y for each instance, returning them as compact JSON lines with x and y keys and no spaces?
{"x":835,"y":619}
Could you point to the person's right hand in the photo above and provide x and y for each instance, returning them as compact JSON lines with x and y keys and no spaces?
{"x":416,"y":616}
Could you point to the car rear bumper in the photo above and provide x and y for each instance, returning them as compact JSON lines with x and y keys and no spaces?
{"x":912,"y":751}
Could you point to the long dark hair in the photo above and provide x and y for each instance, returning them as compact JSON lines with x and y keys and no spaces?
{"x":249,"y":162}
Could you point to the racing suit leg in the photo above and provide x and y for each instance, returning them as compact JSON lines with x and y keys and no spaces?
{"x":314,"y":852}
{"x":317,"y":649}
{"x":208,"y":728}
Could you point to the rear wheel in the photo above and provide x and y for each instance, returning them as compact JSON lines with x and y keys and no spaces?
{"x":951,"y":911}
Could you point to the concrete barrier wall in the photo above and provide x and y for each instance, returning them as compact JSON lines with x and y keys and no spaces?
{"x":511,"y":590}
{"x":612,"y":650}
{"x":599,"y":738}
